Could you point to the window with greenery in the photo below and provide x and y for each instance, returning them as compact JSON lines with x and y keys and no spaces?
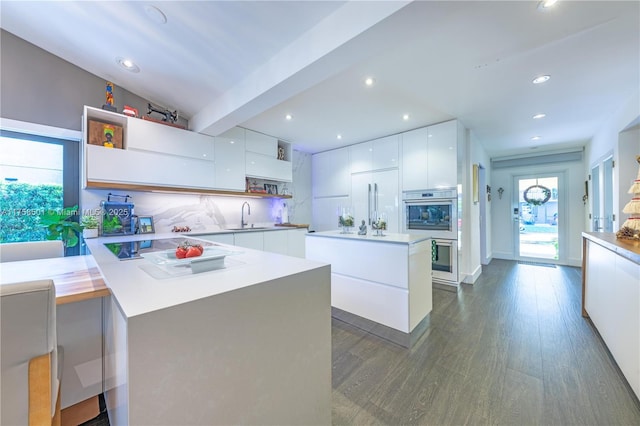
{"x":38,"y":175}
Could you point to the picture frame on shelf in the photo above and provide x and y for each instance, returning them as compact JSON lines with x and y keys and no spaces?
{"x":145,"y":225}
{"x":271,"y":188}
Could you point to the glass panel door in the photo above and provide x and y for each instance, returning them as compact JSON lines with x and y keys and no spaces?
{"x":537,"y":216}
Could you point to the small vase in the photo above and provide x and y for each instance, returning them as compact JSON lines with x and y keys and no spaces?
{"x":345,"y":219}
{"x":89,"y":233}
{"x":379,"y":224}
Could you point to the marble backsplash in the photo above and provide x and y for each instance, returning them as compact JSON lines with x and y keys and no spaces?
{"x":204,"y":213}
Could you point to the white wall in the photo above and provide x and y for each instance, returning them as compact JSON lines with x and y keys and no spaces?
{"x":470,"y":262}
{"x":502,"y":223}
{"x":613,"y":138}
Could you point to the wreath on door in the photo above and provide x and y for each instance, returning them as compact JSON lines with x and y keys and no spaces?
{"x":537,"y":195}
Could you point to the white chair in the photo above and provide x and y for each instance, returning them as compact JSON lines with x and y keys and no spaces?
{"x":30,"y":359}
{"x":11,"y":252}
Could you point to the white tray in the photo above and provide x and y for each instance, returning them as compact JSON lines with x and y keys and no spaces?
{"x":211,"y":258}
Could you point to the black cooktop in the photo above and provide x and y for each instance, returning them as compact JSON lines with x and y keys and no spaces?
{"x":133,"y":249}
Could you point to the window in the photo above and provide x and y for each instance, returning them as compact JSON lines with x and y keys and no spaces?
{"x":37,"y":174}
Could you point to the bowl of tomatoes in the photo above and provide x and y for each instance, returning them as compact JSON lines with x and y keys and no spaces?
{"x":187,"y":250}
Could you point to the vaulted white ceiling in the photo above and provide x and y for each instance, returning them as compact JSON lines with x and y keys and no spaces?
{"x":249,"y":63}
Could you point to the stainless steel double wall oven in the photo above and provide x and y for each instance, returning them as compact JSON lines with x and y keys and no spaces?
{"x":435,"y":213}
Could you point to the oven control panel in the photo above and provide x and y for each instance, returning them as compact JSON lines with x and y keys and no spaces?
{"x":429,"y":194}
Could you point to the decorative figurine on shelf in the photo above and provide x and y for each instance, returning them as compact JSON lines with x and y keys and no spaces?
{"x":108,"y":131}
{"x":109,"y":106}
{"x":167,"y":116}
{"x":363,"y":228}
{"x":631,"y":228}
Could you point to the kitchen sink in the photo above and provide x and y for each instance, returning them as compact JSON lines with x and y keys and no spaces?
{"x":248,"y":228}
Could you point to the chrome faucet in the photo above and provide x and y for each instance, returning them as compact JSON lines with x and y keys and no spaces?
{"x":242,"y":222}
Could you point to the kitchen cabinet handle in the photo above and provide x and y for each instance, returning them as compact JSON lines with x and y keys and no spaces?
{"x":375,"y":203}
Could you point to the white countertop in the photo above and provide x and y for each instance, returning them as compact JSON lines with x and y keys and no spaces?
{"x":137,"y":292}
{"x":387,"y":238}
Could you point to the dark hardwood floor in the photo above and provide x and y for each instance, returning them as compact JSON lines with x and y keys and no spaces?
{"x":512,"y":349}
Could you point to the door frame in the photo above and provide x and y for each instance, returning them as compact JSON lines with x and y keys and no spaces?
{"x":562,"y":216}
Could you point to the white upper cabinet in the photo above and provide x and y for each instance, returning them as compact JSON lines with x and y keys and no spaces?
{"x":414,"y":159}
{"x":261,"y":160}
{"x":331,"y":174}
{"x":430,"y":157}
{"x":361,"y":157}
{"x":374,"y":155}
{"x":443,"y":155}
{"x":149,"y":136}
{"x":112,"y":165}
{"x":261,"y":144}
{"x":230,"y":160}
{"x":385,"y":153}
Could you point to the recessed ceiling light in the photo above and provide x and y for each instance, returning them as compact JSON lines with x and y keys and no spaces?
{"x":405,"y":117}
{"x":546,"y":4}
{"x":127,"y":64}
{"x":339,"y":136}
{"x":288,"y":117}
{"x":541,"y":79}
{"x":155,"y":14}
{"x":369,"y":81}
{"x":535,"y":138}
{"x":541,"y":115}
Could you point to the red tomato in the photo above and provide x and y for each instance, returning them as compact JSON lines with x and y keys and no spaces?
{"x":193,"y":252}
{"x":181,"y":252}
{"x":200,"y":248}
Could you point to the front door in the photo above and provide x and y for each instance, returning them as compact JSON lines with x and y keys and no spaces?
{"x":537,"y":217}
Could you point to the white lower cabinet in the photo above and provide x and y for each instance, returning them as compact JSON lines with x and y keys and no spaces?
{"x":79,"y":327}
{"x":296,"y":242}
{"x":253,"y":240}
{"x":219,"y":238}
{"x":612,"y":300}
{"x":276,"y":242}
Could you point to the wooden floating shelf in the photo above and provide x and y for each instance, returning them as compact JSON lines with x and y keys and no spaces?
{"x":179,"y":190}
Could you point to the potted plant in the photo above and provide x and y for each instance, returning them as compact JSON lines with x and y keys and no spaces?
{"x":59,"y":225}
{"x":90,"y":226}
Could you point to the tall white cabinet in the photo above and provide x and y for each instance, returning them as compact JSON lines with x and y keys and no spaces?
{"x":375,"y":192}
{"x":331,"y":187}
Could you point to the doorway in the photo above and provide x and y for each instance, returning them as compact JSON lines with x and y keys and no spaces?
{"x":602,"y":201}
{"x":537,"y":217}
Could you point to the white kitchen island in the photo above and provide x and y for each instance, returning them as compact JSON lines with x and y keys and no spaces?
{"x":246,"y":344}
{"x":380,"y":284}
